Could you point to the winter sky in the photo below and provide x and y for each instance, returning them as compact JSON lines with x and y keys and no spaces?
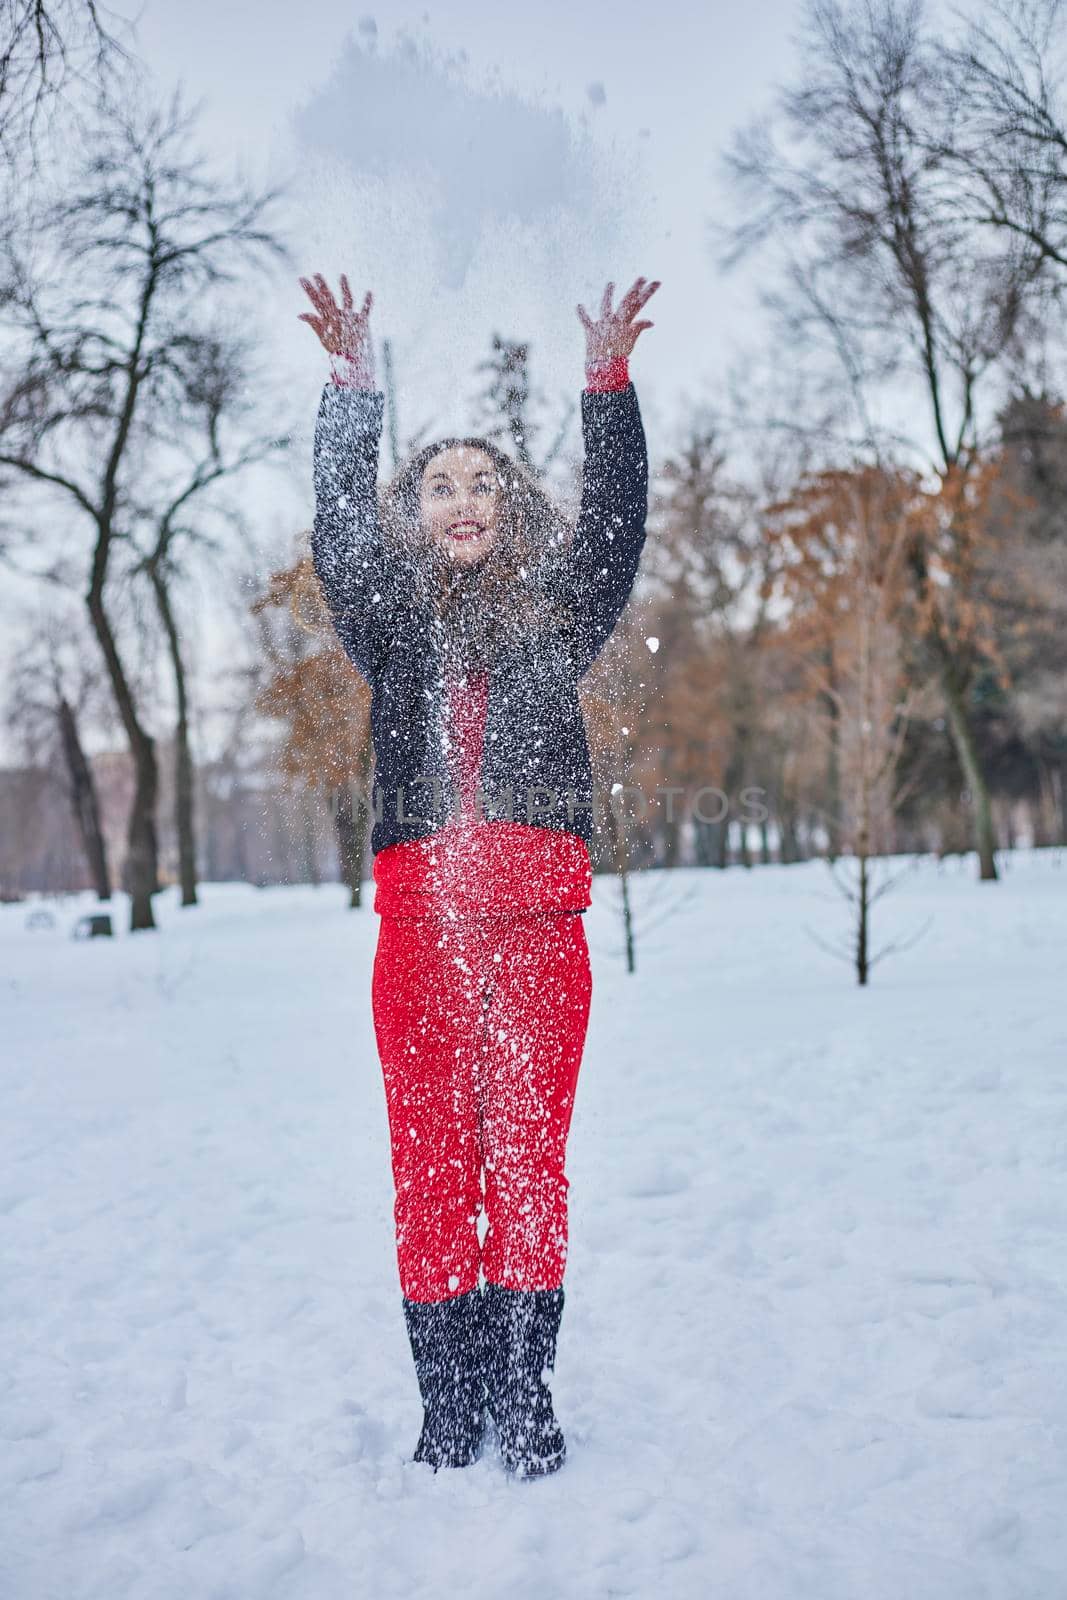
{"x":483,"y":167}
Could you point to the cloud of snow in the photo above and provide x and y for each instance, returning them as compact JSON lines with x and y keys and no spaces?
{"x":467,"y":208}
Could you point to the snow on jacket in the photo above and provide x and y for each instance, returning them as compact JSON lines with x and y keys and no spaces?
{"x":474,"y":868}
{"x":534,"y":768}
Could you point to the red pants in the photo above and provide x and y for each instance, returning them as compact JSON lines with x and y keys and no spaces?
{"x":480,"y":1027}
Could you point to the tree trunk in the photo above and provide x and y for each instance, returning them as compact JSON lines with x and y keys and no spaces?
{"x":312,"y":874}
{"x":789,"y":844}
{"x":706,"y":836}
{"x":184,"y":780}
{"x":1046,"y":807}
{"x":735,"y":772}
{"x":351,"y":858}
{"x":352,"y":825}
{"x":865,"y":797}
{"x":978,"y":789}
{"x":392,"y":429}
{"x":959,"y":724}
{"x":864,"y":910}
{"x":671,"y":836}
{"x":617,"y":832}
{"x":141,"y":875}
{"x":833,"y":758}
{"x":84,"y":800}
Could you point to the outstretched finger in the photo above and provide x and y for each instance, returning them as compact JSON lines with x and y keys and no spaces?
{"x":312,"y":293}
{"x":324,"y":289}
{"x":630,"y":303}
{"x":316,"y":322}
{"x":586,"y":319}
{"x":368,"y":301}
{"x":346,"y":293}
{"x":638,"y":326}
{"x":639,"y":294}
{"x":605,"y":304}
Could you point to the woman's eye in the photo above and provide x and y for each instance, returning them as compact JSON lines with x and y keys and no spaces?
{"x":441,"y":489}
{"x":483,"y":488}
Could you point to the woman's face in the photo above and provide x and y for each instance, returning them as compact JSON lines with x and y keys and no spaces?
{"x":460,"y":502}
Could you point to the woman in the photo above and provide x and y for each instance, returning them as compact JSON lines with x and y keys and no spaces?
{"x":459,"y":598}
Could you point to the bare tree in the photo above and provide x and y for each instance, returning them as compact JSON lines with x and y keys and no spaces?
{"x":214,"y":437}
{"x":1006,"y":143}
{"x":52,"y":692}
{"x":507,"y":397}
{"x":870,"y":208}
{"x":107,"y":303}
{"x":46,"y":47}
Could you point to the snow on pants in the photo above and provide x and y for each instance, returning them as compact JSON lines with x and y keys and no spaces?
{"x":480,"y":1025}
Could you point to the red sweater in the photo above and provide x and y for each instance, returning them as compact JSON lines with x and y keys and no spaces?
{"x":485,"y":867}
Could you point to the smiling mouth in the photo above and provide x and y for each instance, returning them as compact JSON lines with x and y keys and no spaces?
{"x":465,"y":530}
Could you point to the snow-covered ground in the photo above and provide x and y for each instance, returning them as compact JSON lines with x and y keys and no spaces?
{"x":815,"y":1336}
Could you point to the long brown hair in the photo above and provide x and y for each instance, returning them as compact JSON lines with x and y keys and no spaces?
{"x":503,"y":598}
{"x":499,"y":599}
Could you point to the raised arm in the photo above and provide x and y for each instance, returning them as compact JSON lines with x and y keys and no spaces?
{"x":359,"y":579}
{"x":600,"y":565}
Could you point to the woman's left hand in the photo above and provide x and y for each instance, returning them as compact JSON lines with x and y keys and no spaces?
{"x":614,"y":333}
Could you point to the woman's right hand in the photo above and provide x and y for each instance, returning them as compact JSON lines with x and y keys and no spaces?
{"x":341,"y":330}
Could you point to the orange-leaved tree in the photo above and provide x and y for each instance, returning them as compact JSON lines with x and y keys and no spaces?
{"x":324,"y":704}
{"x":843,"y":537}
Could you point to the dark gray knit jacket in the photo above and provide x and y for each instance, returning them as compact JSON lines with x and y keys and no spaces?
{"x":535,"y":761}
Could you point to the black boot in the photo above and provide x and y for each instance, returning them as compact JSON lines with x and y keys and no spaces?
{"x":520,"y":1328}
{"x":446,"y":1342}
